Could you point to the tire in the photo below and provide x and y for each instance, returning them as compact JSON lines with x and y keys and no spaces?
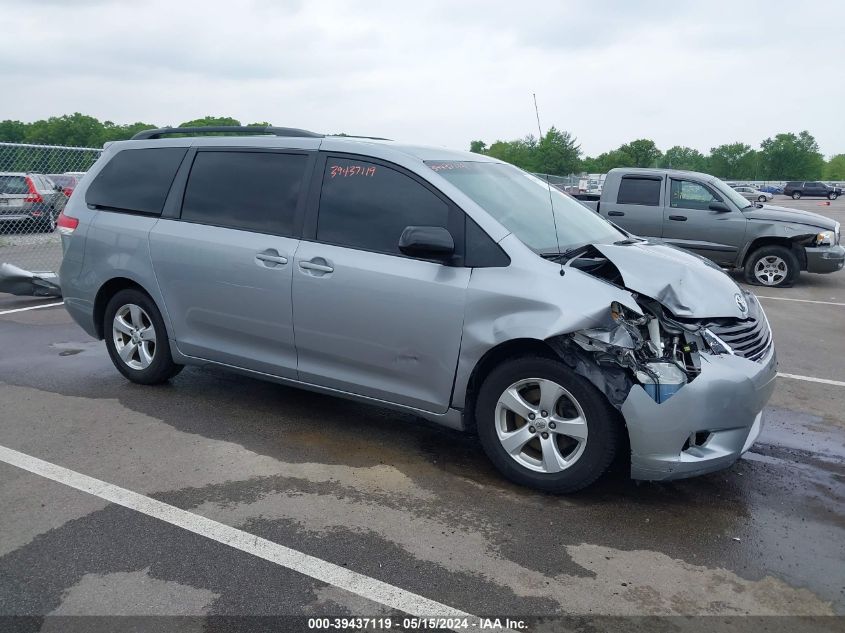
{"x":796,"y":195}
{"x":574,"y":398}
{"x":150,"y":363}
{"x":832,"y":195}
{"x":48,"y":225}
{"x":763,"y":265}
{"x":762,"y":198}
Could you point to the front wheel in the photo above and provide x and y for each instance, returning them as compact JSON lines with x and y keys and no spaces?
{"x":544,"y":426}
{"x":796,"y":195}
{"x":137,"y":339}
{"x":832,"y":195}
{"x":773,"y":266}
{"x":762,"y":198}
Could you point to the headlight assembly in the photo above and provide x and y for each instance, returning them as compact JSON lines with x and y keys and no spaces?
{"x":825,"y":238}
{"x":716,"y":345}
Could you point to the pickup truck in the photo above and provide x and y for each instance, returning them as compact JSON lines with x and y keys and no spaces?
{"x":702,"y":214}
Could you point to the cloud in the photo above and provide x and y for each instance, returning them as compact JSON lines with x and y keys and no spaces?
{"x":436,"y":72}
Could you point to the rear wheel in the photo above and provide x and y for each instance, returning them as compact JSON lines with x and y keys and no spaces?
{"x":761,"y":198}
{"x":48,"y":225}
{"x":772,"y":265}
{"x":544,"y":426}
{"x":137,"y":339}
{"x":796,"y":195}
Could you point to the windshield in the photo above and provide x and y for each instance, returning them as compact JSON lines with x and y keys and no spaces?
{"x":523,"y":204}
{"x":734,"y":196}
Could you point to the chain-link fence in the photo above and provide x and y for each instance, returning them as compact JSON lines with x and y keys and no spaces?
{"x":35,"y":184}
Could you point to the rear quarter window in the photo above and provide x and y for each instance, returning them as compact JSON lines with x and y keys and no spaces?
{"x":136,"y":180}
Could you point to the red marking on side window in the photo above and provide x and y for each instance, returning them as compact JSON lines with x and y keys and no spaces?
{"x":352,"y":170}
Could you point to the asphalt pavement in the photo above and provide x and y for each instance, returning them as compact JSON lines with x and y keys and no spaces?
{"x":391,"y":510}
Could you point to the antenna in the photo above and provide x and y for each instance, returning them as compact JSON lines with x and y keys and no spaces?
{"x":537,"y":112}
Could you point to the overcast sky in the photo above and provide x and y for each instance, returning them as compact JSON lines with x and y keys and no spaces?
{"x":438,"y":72}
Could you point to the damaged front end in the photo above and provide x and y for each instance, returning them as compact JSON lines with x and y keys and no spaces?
{"x":690,"y":388}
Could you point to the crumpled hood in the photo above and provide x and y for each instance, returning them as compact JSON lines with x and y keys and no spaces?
{"x":686,"y":284}
{"x":785,"y":214}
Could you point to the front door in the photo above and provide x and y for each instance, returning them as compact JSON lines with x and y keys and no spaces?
{"x":368,"y":319}
{"x":690,"y":223}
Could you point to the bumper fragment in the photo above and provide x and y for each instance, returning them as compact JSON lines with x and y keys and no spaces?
{"x":825,"y":259}
{"x":706,"y":425}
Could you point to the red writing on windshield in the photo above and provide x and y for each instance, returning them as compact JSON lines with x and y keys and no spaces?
{"x":352,"y":170}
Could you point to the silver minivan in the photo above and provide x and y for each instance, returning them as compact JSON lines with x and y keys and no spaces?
{"x":442,"y":283}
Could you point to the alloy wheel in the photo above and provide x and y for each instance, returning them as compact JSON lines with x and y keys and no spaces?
{"x":770,"y":270}
{"x":134,"y":336}
{"x":541,"y":425}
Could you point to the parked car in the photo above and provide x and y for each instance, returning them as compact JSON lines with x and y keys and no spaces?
{"x":67,"y":182}
{"x":446,"y":284}
{"x":811,"y":189}
{"x":772,"y":189}
{"x":31,"y":200}
{"x":750,"y":193}
{"x":700,"y":213}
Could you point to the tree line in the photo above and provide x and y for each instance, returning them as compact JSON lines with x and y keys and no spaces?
{"x":785,"y":156}
{"x":81,"y":130}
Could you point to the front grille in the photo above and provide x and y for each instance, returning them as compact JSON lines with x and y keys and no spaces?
{"x":749,"y":338}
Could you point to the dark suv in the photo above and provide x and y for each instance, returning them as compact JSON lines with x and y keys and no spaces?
{"x":812,"y":189}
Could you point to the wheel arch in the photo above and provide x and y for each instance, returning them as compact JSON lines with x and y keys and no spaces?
{"x":775,"y":240}
{"x":106,"y":292}
{"x":497,"y":354}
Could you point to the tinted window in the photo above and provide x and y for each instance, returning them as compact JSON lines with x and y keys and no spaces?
{"x":639,"y":191}
{"x":481,"y":250}
{"x":253,"y":191}
{"x":367,"y":206}
{"x":691,"y":195}
{"x":136,"y":180}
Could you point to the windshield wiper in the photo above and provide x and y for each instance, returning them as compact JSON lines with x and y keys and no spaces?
{"x":629,"y":240}
{"x":566,"y":255}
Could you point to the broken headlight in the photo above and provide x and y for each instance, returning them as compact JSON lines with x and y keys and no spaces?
{"x":716,"y":345}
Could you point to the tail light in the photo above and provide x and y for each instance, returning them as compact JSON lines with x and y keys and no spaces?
{"x":67,"y":224}
{"x":67,"y":191}
{"x":33,"y":196}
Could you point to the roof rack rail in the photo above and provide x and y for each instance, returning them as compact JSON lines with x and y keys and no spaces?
{"x":275,"y":131}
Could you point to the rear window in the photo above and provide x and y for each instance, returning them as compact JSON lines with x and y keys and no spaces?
{"x":644,"y":191}
{"x":13,"y":185}
{"x":136,"y":180}
{"x":251,"y":191}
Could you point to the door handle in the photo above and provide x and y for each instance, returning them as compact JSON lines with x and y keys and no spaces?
{"x":316,"y":266}
{"x":271,"y":256}
{"x":678,"y":218}
{"x":615,"y":213}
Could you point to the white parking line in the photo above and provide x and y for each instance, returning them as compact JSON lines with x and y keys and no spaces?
{"x":828,"y":303}
{"x":44,"y":305}
{"x":324,"y":571}
{"x":824,"y":381}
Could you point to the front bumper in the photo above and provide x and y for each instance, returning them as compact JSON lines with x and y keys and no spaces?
{"x":825,"y":259}
{"x":724,"y":403}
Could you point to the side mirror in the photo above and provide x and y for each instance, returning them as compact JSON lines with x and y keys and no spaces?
{"x":427,"y":242}
{"x":721,"y":207}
